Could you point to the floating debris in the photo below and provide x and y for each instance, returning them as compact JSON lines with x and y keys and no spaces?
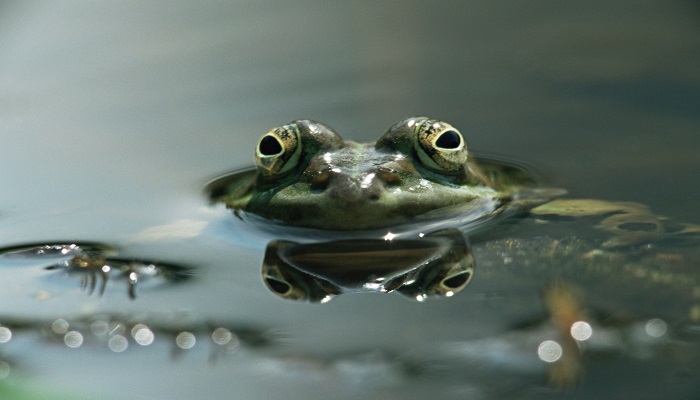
{"x":97,"y":264}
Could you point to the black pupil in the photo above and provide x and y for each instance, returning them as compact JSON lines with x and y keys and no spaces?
{"x":269,"y":146}
{"x":279,"y":287}
{"x":448,"y":140}
{"x":457,"y":281}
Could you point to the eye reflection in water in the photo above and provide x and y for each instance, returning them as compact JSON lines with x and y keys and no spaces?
{"x":438,"y":264}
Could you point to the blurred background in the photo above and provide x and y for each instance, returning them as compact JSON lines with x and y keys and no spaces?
{"x":602,"y":97}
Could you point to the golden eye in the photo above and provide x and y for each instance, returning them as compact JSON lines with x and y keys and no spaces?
{"x":440,"y":147}
{"x":278,"y":150}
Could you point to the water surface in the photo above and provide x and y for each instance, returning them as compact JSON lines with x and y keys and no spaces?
{"x":114,"y":117}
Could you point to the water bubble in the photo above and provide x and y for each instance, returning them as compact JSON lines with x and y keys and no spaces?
{"x":118,"y":343}
{"x":549,"y":351}
{"x":655,"y":327}
{"x":185,"y":340}
{"x":581,"y":330}
{"x":73,"y":339}
{"x":5,"y":334}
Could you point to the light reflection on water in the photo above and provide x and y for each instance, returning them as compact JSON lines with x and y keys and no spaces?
{"x":549,"y":351}
{"x":118,"y":135}
{"x":655,"y":327}
{"x":185,"y":340}
{"x":118,"y":343}
{"x":5,"y":334}
{"x":73,"y":339}
{"x":581,"y":330}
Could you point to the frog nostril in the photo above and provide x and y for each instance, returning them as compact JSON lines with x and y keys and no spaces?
{"x":373,"y":197}
{"x":457,"y":281}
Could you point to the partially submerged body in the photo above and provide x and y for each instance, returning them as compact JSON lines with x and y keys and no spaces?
{"x":419,"y":182}
{"x":419,"y":174}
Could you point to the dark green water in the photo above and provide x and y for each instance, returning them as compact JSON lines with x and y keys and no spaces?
{"x":114,"y":117}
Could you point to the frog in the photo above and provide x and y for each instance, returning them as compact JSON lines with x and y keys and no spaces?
{"x":606,"y":266}
{"x":418,"y":175}
{"x":418,"y":178}
{"x":419,"y":171}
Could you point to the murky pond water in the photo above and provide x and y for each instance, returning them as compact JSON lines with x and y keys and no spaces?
{"x":115,"y":117}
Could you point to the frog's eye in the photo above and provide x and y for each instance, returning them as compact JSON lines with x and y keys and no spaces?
{"x":440,"y":147}
{"x":278,"y":150}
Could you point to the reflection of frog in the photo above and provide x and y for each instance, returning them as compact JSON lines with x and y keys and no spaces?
{"x":418,"y":172}
{"x":436,"y":264}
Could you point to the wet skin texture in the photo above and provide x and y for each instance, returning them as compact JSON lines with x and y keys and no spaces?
{"x":419,"y":170}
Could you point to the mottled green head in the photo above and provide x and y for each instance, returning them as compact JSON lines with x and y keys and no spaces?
{"x":419,"y":170}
